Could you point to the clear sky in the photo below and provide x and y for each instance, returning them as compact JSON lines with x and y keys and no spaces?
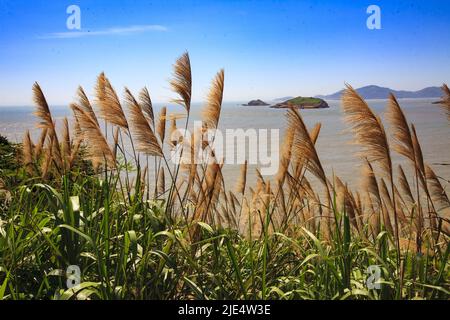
{"x":269,"y":49}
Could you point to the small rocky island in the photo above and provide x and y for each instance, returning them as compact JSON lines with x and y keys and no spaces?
{"x":302,"y":103}
{"x":256,"y":103}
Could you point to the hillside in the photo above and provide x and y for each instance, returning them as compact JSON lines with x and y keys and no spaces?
{"x":376,"y":92}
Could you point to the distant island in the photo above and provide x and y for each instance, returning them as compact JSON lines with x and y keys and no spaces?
{"x":376,"y":92}
{"x":302,"y":103}
{"x":256,"y":102}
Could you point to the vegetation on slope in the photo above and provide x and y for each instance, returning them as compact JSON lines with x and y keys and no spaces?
{"x":304,"y":100}
{"x":180,"y":233}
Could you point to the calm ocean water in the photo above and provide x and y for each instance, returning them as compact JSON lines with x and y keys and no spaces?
{"x":334,"y":149}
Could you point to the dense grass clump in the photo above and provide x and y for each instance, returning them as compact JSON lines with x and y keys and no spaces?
{"x":134,"y":251}
{"x":83,"y":217}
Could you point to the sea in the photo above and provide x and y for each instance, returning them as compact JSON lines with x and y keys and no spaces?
{"x":334,"y":146}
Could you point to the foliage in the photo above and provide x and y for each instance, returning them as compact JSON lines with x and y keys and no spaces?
{"x":73,"y":200}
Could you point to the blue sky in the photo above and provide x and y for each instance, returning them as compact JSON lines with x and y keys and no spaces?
{"x":269,"y":49}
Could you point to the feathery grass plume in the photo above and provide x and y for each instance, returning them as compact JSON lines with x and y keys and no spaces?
{"x":85,"y":104}
{"x":189,"y":155}
{"x":234,"y":202}
{"x":358,"y":204}
{"x":143,"y":133}
{"x":438,"y":194}
{"x":76,"y":141}
{"x":294,"y":191}
{"x":260,"y":178}
{"x":266,"y":196}
{"x":66,"y":143}
{"x":27,"y":153}
{"x":97,"y":146}
{"x":403,"y":143}
{"x":57,"y":155}
{"x":182,"y":81}
{"x":143,"y":181}
{"x":370,"y":134}
{"x":358,"y":200}
{"x":192,"y":195}
{"x":48,"y":156}
{"x":400,"y":204}
{"x":387,"y":219}
{"x":305,"y":190}
{"x":280,"y":206}
{"x":40,"y":144}
{"x":368,"y":129}
{"x":43,"y":111}
{"x":100,"y":88}
{"x":418,"y":155}
{"x":315,"y":131}
{"x":232,"y":213}
{"x":109,"y":103}
{"x":286,"y":155}
{"x":445,"y":102}
{"x":116,"y":140}
{"x":47,"y":122}
{"x":305,"y":154}
{"x":369,"y":181}
{"x":161,"y":183}
{"x":76,"y":128}
{"x":385,"y":196}
{"x":373,"y":198}
{"x":53,"y":153}
{"x":297,"y":171}
{"x":242,"y":181}
{"x":356,"y":209}
{"x":314,"y":134}
{"x":303,"y":149}
{"x":173,"y":127}
{"x":147,"y":106}
{"x":210,"y":187}
{"x":345,"y":201}
{"x":422,"y":176}
{"x":388,"y":201}
{"x":227,"y":211}
{"x":259,"y":186}
{"x":406,"y":141}
{"x":211,"y":112}
{"x":407,"y":144}
{"x":404,"y":186}
{"x":75,"y":150}
{"x":161,"y":127}
{"x":214,"y":179}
